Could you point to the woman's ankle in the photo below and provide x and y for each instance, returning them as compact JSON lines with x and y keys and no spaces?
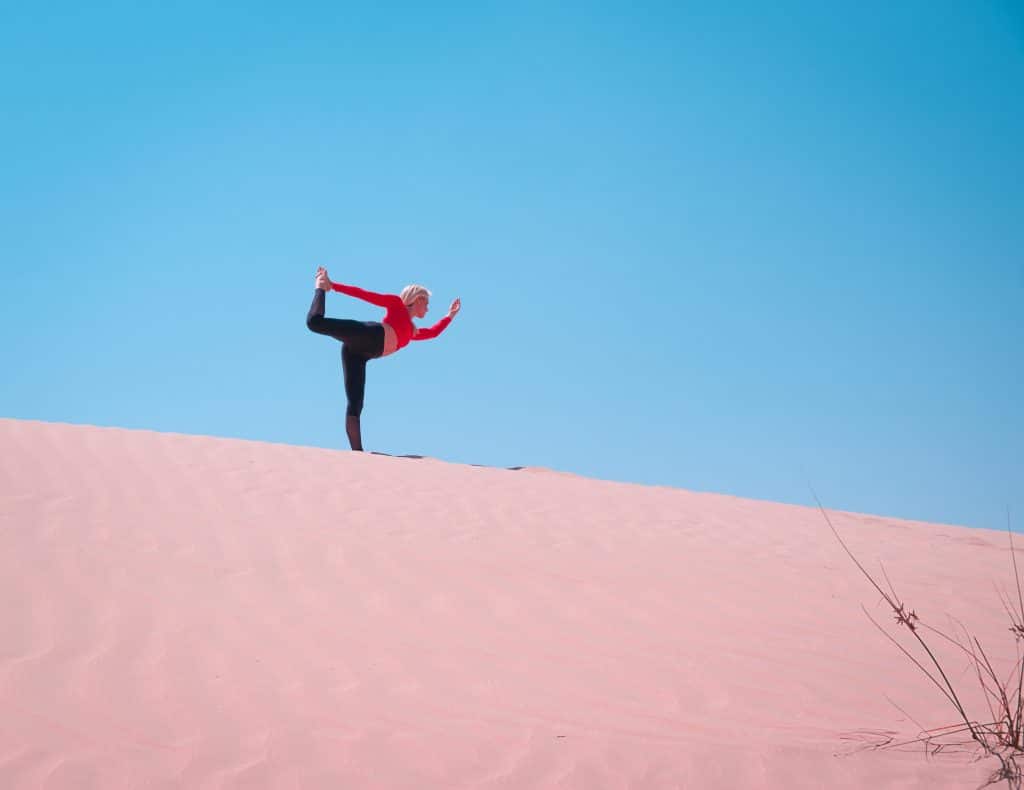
{"x":355,"y":439}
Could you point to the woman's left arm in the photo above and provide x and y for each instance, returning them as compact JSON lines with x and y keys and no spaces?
{"x":440,"y":326}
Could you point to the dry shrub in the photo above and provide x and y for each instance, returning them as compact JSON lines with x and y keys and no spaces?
{"x":998,"y":735}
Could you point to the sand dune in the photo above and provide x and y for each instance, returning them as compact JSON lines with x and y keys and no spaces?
{"x":194,"y":612}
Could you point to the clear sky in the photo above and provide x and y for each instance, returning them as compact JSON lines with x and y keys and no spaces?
{"x":731,"y":247}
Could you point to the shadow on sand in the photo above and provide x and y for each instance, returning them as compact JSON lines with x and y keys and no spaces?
{"x":479,"y":466}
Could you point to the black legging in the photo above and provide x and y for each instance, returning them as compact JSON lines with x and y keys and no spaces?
{"x":361,"y":341}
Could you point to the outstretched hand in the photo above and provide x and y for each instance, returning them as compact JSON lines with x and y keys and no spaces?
{"x":323,"y":282}
{"x":454,"y":309}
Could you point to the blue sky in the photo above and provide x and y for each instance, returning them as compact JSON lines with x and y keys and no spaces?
{"x":740,"y":249}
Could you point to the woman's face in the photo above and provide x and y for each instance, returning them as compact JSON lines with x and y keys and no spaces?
{"x":420,"y":307}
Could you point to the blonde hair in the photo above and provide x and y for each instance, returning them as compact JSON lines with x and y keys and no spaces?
{"x":413,"y":292}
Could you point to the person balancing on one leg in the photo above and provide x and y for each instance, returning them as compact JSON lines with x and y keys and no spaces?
{"x":362,"y":341}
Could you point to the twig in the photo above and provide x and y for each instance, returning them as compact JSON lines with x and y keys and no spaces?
{"x":1003,"y":737}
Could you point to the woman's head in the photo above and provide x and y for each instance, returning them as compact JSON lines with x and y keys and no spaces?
{"x":417,"y":299}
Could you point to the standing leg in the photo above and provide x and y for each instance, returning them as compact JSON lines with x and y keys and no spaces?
{"x":353,"y":366}
{"x":355,"y":439}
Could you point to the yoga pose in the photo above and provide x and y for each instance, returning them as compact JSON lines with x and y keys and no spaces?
{"x":362,"y":341}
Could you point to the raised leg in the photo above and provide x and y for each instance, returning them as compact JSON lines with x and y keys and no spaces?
{"x":342,"y":329}
{"x":367,"y":337}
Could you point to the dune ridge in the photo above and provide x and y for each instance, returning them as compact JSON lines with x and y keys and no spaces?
{"x":190,"y":611}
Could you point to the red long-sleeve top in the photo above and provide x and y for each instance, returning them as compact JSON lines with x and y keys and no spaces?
{"x":397,"y":315}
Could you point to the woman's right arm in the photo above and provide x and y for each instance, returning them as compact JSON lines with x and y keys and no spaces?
{"x":381,"y":300}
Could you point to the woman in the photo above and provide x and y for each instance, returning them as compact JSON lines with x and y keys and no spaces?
{"x":362,"y":341}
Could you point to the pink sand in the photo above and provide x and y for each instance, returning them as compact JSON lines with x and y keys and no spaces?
{"x":193,"y":612}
